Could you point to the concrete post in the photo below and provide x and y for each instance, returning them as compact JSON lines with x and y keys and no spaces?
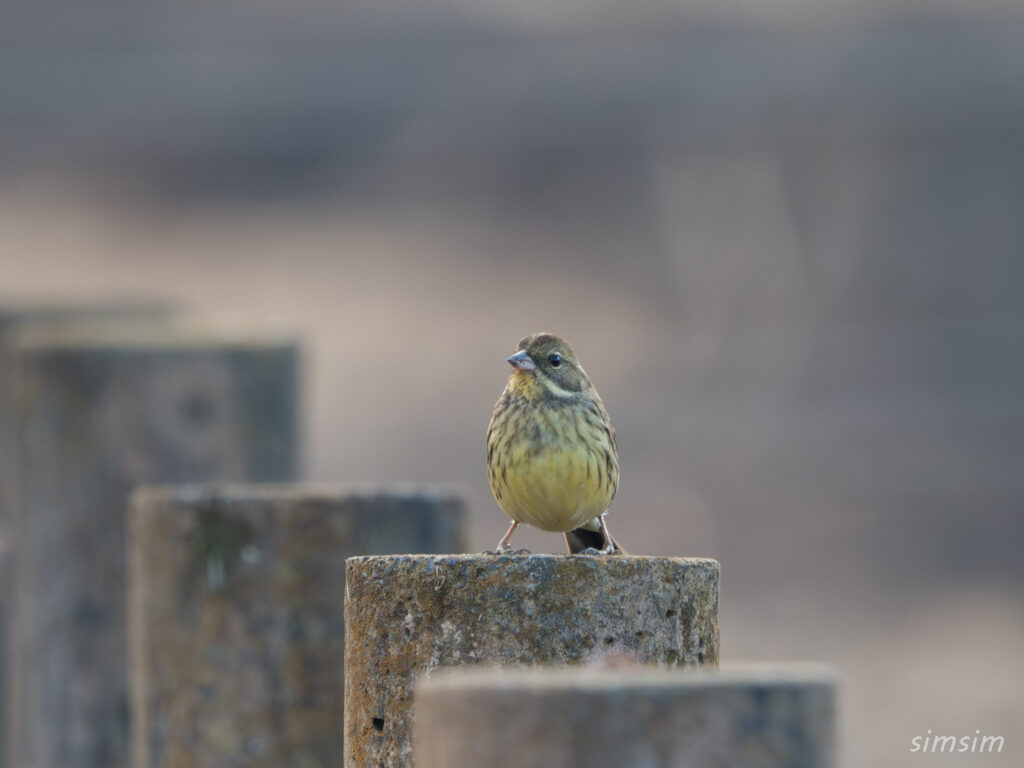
{"x":18,"y":316}
{"x":758,"y":716}
{"x":97,"y":411}
{"x":407,"y":615}
{"x":236,"y":615}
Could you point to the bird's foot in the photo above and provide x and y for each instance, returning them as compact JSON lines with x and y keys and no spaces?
{"x":608,"y":550}
{"x":507,"y":551}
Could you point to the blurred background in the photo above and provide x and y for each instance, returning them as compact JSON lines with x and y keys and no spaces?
{"x":784,"y":237}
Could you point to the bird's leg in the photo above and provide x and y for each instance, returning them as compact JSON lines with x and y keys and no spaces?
{"x":503,"y":545}
{"x":609,"y":543}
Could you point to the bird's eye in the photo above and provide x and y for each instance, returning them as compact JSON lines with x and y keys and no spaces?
{"x":555,"y":360}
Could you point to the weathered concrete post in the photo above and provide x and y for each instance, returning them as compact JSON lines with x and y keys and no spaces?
{"x":18,"y":316}
{"x":756,"y":716}
{"x":95,"y":412}
{"x":236,"y":618}
{"x":407,"y":615}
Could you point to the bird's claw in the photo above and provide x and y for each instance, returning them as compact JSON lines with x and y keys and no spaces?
{"x":507,"y":551}
{"x":609,"y":550}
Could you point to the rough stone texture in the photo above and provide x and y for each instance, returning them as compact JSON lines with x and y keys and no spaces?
{"x":407,"y":615}
{"x":97,"y":411}
{"x":758,"y":716}
{"x":236,"y":615}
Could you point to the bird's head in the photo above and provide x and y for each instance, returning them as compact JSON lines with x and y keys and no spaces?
{"x":546,"y":366}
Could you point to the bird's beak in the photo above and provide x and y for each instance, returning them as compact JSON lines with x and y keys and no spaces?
{"x":522,"y":361}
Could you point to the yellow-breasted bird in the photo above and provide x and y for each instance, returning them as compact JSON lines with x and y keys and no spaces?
{"x":552,"y":461}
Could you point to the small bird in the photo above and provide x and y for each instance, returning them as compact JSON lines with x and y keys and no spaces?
{"x":552,"y":461}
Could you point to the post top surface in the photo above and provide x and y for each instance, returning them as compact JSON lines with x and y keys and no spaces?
{"x":146,"y":335}
{"x":15,"y":311}
{"x":483,"y":559}
{"x":248,"y":493}
{"x":635,"y":677}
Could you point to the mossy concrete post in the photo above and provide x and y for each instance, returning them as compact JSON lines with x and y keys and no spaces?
{"x":97,"y":411}
{"x":236,"y":617}
{"x":408,"y":615}
{"x":756,"y":716}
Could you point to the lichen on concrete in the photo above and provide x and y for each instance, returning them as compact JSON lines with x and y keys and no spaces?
{"x":407,"y":615}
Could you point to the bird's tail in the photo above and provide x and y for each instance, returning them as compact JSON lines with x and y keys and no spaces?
{"x":583,"y":538}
